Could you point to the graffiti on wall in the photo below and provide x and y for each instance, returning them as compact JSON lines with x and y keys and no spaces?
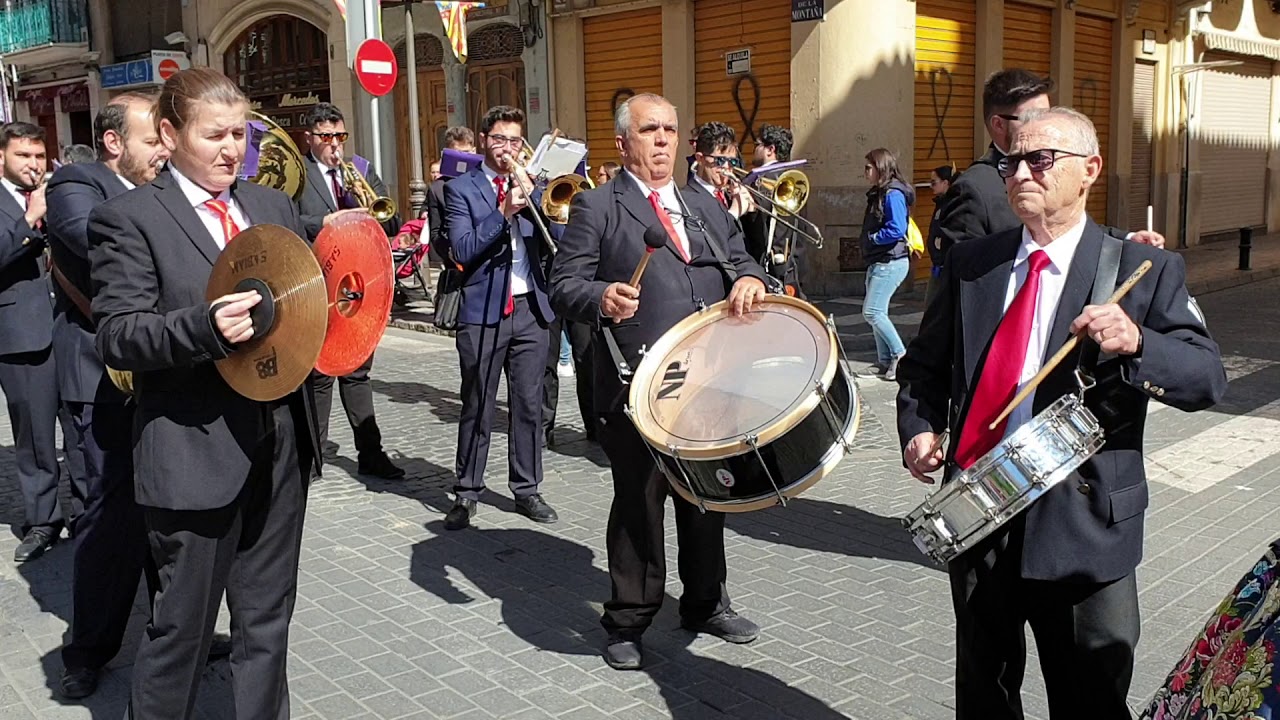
{"x":1087,"y":96}
{"x":941,"y":88}
{"x":748,"y":116}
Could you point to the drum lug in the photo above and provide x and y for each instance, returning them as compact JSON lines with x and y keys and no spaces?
{"x":1085,"y":381}
{"x":835,"y":330}
{"x":752,"y":440}
{"x":688,"y":481}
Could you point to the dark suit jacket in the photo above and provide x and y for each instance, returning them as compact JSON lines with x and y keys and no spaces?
{"x":151,"y":258}
{"x":604,"y":242}
{"x":26,"y":308}
{"x":436,"y":223}
{"x":317,"y":199}
{"x":74,"y":191}
{"x":1070,"y":535}
{"x":977,"y":205}
{"x":480,"y":238}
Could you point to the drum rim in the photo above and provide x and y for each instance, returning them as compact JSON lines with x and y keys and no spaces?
{"x":835,"y":455}
{"x":652,"y":356}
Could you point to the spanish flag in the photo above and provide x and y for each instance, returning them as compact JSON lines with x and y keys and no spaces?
{"x":342,"y":8}
{"x":454,"y":17}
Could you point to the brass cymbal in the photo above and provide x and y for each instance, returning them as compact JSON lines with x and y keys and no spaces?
{"x":276,"y":262}
{"x":355,"y":258}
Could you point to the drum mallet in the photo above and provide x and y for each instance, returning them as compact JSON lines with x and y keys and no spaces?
{"x":654,"y":237}
{"x":1067,"y":347}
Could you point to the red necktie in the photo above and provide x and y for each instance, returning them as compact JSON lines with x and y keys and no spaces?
{"x":1002,"y":369}
{"x":26,"y":204}
{"x":666,"y":223}
{"x":229,"y":227}
{"x":500,"y":185}
{"x":720,"y":197}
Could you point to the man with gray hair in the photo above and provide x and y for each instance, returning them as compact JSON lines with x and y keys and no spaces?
{"x":590,"y":283}
{"x":1007,"y":302}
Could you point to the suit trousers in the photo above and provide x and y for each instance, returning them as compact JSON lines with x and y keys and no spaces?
{"x":111,"y":539}
{"x":357,"y":399}
{"x":1085,"y":636}
{"x":249,"y":549}
{"x":636,"y":542}
{"x":30,"y":384}
{"x":518,"y":346}
{"x":581,"y":342}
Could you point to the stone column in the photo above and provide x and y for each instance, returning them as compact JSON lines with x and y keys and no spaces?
{"x":417,"y":187}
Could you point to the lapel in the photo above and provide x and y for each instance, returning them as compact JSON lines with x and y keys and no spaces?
{"x":1078,"y":288}
{"x":486,"y":189}
{"x":9,"y":205}
{"x":697,"y":218}
{"x":321,"y":185}
{"x":254,"y":210}
{"x":982,"y":297}
{"x":174,"y":201}
{"x":631,"y":198}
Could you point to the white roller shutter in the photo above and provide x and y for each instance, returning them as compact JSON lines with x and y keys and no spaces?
{"x":1233,"y":136}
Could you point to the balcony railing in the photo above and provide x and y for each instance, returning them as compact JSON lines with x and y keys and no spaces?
{"x":27,"y":24}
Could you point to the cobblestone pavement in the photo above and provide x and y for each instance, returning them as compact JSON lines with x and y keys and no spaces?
{"x":397,"y":618}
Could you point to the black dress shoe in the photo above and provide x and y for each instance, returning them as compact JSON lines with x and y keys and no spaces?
{"x":622,"y":652}
{"x":34,"y":543}
{"x":549,"y":439}
{"x":728,"y":626}
{"x":220,"y":647}
{"x":536,"y":509}
{"x":459,"y":516}
{"x":78,"y":683}
{"x":379,"y":466}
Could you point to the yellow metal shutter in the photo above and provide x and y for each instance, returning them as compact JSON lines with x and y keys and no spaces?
{"x":764,"y":94}
{"x":614,"y":70}
{"x":944,"y":104}
{"x":1092,"y":95}
{"x":1233,"y":134}
{"x":1028,"y":31}
{"x":1144,"y":93}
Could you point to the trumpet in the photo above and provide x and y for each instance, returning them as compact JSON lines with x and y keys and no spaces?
{"x":787,"y":193}
{"x":381,"y":208}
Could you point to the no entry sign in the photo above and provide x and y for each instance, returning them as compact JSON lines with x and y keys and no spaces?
{"x":375,"y":67}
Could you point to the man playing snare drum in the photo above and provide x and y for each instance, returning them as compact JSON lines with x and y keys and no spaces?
{"x":600,"y":249}
{"x":1066,"y":565}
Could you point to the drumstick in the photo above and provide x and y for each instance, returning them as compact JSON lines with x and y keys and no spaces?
{"x":1067,"y":347}
{"x":655,"y":236}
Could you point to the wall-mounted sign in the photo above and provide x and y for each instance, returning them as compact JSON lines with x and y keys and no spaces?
{"x":737,"y":62}
{"x":1149,"y":42}
{"x":802,"y":10}
{"x":153,"y":70}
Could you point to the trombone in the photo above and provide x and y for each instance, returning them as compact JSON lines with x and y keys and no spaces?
{"x":517,"y":165}
{"x":788,"y":194}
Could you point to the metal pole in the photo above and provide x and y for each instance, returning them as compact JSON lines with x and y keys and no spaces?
{"x":373,"y":29}
{"x":417,"y":186}
{"x":1246,"y":244}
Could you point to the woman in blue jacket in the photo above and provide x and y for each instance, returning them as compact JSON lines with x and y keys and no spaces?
{"x":884,"y":247}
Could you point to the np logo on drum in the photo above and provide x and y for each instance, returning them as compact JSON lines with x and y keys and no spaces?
{"x":672,"y":380}
{"x":725,"y":478}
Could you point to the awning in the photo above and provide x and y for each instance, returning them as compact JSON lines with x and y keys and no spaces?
{"x":1240,"y":45}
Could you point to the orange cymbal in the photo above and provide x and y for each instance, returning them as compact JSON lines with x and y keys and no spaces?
{"x":355,"y":258}
{"x":289,"y":322}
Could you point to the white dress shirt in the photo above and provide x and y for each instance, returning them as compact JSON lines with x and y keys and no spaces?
{"x":1052,"y":281}
{"x":125,"y":181}
{"x":671,"y":203}
{"x":331,"y":174}
{"x":197,"y":196}
{"x":15,"y":192}
{"x":521,"y":269}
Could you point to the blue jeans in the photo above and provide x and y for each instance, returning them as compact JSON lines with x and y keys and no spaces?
{"x":566,"y":351}
{"x":883,"y":279}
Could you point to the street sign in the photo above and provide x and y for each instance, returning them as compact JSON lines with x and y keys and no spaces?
{"x":737,"y":62}
{"x":375,"y":67}
{"x":167,"y":68}
{"x":802,"y":10}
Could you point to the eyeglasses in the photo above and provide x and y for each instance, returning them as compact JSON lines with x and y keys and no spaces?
{"x":503,"y":140}
{"x":1037,"y":161}
{"x":330,"y":136}
{"x":1006,"y":116}
{"x":725,"y":161}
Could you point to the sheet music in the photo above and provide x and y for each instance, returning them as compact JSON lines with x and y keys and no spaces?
{"x":553,"y":159}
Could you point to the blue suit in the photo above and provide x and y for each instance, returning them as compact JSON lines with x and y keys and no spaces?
{"x":490,"y":339}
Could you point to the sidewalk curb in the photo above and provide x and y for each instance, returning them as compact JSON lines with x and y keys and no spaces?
{"x":1241,"y":277}
{"x":419,"y":326}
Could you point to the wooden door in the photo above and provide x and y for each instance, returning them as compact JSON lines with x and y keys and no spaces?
{"x":432,"y":119}
{"x":495,"y":84}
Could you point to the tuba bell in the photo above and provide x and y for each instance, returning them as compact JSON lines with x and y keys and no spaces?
{"x":559,"y":193}
{"x":280,"y":164}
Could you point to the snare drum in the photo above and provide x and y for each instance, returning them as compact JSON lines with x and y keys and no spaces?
{"x":1005,"y":481}
{"x":742,"y":413}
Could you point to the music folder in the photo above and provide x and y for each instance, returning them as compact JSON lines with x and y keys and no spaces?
{"x":455,"y":162}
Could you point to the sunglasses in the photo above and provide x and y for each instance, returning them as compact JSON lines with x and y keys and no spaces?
{"x":725,"y":161}
{"x":330,"y":136}
{"x":1037,"y":160}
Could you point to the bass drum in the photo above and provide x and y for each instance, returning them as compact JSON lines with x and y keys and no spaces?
{"x":744,"y":412}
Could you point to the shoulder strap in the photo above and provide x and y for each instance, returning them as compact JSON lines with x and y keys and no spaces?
{"x":619,"y":362}
{"x":78,"y":298}
{"x":726,"y":267}
{"x":1104,"y":283}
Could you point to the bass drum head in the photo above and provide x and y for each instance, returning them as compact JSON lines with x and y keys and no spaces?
{"x":714,"y":379}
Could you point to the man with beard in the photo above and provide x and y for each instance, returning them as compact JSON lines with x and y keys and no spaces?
{"x":28,"y":372}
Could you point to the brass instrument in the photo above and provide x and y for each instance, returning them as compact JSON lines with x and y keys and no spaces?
{"x":381,"y":208}
{"x":280,"y":164}
{"x":788,"y":194}
{"x":517,"y":165}
{"x":559,"y":193}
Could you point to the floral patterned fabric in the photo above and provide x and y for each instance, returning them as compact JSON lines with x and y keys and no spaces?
{"x":1229,"y":671}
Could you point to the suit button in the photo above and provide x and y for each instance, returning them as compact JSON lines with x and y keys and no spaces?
{"x":26,"y":241}
{"x":1146,"y":385}
{"x":1084,"y":488}
{"x":1160,"y":392}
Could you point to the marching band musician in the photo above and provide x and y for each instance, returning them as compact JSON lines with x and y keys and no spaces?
{"x":774,"y":146}
{"x":503,"y":318}
{"x":28,"y":372}
{"x":324,"y":196}
{"x":715,"y":153}
{"x":1066,"y":565}
{"x":110,"y":540}
{"x":222,"y":479}
{"x":601,"y":247}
